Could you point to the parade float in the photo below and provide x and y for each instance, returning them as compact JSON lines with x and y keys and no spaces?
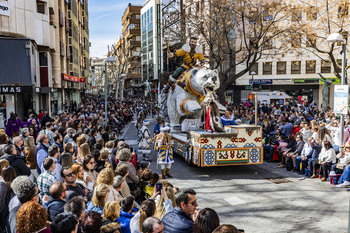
{"x":191,"y":100}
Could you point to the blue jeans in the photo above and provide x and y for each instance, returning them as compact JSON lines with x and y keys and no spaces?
{"x":345,"y":176}
{"x":310,"y":164}
{"x":297,"y":162}
{"x":268,"y":152}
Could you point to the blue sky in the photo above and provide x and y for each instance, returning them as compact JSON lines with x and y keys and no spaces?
{"x":105,"y":23}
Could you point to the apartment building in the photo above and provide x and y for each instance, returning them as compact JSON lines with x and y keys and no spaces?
{"x":296,"y":72}
{"x":36,"y":34}
{"x":151,"y":44}
{"x":131,"y":49}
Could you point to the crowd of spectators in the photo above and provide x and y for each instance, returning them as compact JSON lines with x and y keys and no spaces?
{"x":71,"y":173}
{"x":301,"y":138}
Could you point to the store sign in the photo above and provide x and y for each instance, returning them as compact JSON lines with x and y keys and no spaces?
{"x":15,"y":89}
{"x":4,"y":9}
{"x":341,"y":96}
{"x":71,"y":78}
{"x":229,"y":156}
{"x":261,"y":81}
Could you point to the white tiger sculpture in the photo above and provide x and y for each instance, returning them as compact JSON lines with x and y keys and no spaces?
{"x":185,"y":101}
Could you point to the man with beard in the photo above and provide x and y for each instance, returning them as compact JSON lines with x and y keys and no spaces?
{"x":55,"y":206}
{"x":191,"y":53}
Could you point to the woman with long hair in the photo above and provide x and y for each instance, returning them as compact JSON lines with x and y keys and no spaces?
{"x":106,"y":176}
{"x":79,"y":174}
{"x":66,"y":158}
{"x":29,"y":153}
{"x":166,"y":202}
{"x":89,"y":169}
{"x":207,"y":221}
{"x":32,"y":217}
{"x":9,"y":174}
{"x":147,"y":209}
{"x":98,"y":199}
{"x":325,"y":160}
{"x":84,"y":149}
{"x":3,"y":163}
{"x":111,"y":213}
{"x":323,"y":134}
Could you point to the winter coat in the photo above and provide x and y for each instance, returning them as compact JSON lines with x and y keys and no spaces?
{"x":177,"y":221}
{"x":54,"y":207}
{"x":110,"y":227}
{"x":124,"y":220}
{"x":19,"y":164}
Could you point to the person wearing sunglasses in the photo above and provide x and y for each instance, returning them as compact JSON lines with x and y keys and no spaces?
{"x":74,"y":189}
{"x":180,"y":219}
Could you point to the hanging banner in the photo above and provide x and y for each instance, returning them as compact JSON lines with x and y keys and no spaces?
{"x":341,"y":96}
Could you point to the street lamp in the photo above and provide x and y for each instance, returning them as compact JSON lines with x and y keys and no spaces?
{"x":110,"y":60}
{"x":332,"y":38}
{"x":121,"y":86}
{"x":255,"y":99}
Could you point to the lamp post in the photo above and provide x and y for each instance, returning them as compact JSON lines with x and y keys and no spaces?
{"x":121,"y":86}
{"x":109,"y":59}
{"x":255,"y":99}
{"x":332,"y":38}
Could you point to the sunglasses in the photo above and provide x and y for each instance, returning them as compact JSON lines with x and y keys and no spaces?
{"x":193,"y":202}
{"x":92,"y":162}
{"x":70,"y":174}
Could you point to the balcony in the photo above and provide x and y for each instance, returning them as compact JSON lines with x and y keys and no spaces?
{"x":132,"y":32}
{"x":133,"y":76}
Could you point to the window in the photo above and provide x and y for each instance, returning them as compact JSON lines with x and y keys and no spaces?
{"x":343,"y":10}
{"x":296,"y":14}
{"x":43,"y":59}
{"x":311,"y":40}
{"x":311,"y":67}
{"x":325,"y":66}
{"x":267,"y":43}
{"x":296,"y":41}
{"x":281,"y":67}
{"x":311,"y":13}
{"x":40,"y":6}
{"x":339,"y":61}
{"x":295,"y":67}
{"x":267,"y":68}
{"x":254,"y":68}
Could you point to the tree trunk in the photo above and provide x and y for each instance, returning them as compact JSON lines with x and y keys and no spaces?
{"x":221,"y":95}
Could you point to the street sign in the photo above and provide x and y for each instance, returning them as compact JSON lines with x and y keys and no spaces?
{"x":341,"y":96}
{"x":261,"y":81}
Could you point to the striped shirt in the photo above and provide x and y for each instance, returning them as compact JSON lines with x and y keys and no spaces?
{"x":227,"y":121}
{"x":45,"y":180}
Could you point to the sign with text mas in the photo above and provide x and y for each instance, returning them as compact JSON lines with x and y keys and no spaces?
{"x":231,"y":156}
{"x":4,"y":9}
{"x":341,"y":96}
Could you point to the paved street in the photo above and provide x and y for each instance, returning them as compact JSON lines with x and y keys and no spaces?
{"x":244,"y":196}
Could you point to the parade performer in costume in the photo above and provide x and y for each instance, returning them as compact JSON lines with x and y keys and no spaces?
{"x":145,"y":141}
{"x":163,"y":144}
{"x":190,"y":53}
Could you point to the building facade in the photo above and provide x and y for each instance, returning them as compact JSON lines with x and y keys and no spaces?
{"x":36,"y":33}
{"x":131,"y":49}
{"x":151,"y":45}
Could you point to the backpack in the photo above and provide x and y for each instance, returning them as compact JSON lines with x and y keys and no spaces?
{"x":289,"y":164}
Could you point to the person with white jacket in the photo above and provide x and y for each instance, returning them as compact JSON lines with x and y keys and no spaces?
{"x":326,"y":159}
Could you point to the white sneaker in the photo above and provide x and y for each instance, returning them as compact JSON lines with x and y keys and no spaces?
{"x":343,"y":185}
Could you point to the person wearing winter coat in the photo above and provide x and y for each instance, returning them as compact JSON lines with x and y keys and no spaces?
{"x":16,"y":161}
{"x":55,"y":206}
{"x":127,"y":204}
{"x":179,"y":220}
{"x":111,"y":213}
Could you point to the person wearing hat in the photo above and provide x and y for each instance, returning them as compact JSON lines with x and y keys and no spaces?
{"x":163,"y":143}
{"x":145,"y":141}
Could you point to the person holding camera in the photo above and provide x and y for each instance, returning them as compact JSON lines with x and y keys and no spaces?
{"x":163,"y":144}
